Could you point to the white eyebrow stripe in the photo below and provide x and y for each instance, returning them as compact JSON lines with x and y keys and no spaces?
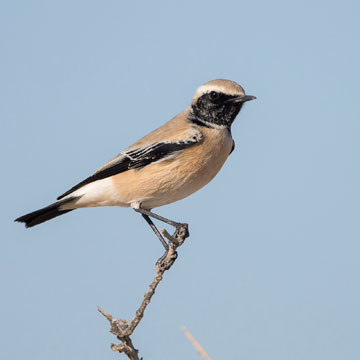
{"x":203,"y":89}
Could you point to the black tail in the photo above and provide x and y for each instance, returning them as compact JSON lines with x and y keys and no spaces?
{"x":44,"y":214}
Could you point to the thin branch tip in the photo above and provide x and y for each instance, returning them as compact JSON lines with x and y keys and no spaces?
{"x":195,"y":344}
{"x":104,"y":313}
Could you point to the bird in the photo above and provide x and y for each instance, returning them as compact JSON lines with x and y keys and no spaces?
{"x":166,"y":165}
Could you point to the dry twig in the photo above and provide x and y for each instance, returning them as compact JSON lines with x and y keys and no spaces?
{"x":195,"y":344}
{"x":122,"y":328}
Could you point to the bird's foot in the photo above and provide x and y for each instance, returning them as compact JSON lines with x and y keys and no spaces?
{"x":180,"y":234}
{"x":175,"y":240}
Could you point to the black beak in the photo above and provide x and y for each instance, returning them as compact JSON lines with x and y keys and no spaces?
{"x":243,"y":98}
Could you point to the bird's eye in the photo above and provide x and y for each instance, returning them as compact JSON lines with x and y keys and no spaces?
{"x":213,"y":95}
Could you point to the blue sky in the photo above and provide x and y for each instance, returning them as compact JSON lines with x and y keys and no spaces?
{"x":271,"y":269}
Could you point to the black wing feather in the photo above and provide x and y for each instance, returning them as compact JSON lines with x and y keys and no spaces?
{"x":102,"y":174}
{"x":157,"y":152}
{"x":136,"y":159}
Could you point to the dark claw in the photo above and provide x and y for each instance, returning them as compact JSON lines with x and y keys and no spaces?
{"x":182,"y":231}
{"x":161,"y":261}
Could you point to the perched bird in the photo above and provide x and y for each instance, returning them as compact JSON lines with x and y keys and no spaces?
{"x":167,"y":165}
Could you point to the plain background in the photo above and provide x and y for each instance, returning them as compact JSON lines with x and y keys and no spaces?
{"x":271,"y":270}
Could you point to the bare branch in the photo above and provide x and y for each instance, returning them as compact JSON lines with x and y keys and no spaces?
{"x":121,"y":328}
{"x":195,"y":344}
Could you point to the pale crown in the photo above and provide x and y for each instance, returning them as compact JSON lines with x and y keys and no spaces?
{"x":224,"y":86}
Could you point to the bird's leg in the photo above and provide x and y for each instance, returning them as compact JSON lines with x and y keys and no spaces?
{"x":158,"y":217}
{"x":180,"y":232}
{"x":156,"y":231}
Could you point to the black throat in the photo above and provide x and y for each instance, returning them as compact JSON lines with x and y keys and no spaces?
{"x":214,"y":113}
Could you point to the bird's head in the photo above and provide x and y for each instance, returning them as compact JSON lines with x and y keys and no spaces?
{"x":217,"y":102}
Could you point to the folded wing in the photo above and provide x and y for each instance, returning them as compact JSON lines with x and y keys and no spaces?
{"x":137,"y":158}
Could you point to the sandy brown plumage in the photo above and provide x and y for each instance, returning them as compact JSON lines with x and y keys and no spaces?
{"x":166,"y":165}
